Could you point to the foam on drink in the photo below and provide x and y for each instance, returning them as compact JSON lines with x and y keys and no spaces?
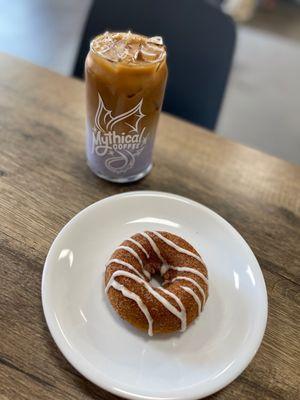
{"x":129,"y":48}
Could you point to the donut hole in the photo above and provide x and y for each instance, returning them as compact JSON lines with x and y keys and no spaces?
{"x":156,"y":269}
{"x":156,"y":280}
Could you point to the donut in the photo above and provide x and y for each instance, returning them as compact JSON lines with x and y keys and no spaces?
{"x":173,"y":305}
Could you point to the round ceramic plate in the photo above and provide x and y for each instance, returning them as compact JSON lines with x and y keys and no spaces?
{"x":209,"y":355}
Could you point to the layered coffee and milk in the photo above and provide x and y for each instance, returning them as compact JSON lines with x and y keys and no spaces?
{"x":125,"y":77}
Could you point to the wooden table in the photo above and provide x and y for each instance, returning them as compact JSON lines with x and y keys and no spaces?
{"x":44,"y":181}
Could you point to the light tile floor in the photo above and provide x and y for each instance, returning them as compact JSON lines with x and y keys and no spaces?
{"x":262,"y":104}
{"x":45,"y":32}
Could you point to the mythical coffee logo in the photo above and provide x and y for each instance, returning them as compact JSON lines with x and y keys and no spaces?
{"x":118,"y":138}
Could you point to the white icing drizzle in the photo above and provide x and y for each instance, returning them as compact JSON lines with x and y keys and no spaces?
{"x":125,"y":264}
{"x":181,"y":306}
{"x":147,"y":273}
{"x":153,"y":245}
{"x":133,"y":252}
{"x":196,"y":298}
{"x":185,"y":278}
{"x":178,"y":248}
{"x":173,"y":310}
{"x":139,"y":246}
{"x":165,"y":268}
{"x":127,"y":293}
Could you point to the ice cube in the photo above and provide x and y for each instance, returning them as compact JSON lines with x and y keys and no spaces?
{"x":156,"y":40}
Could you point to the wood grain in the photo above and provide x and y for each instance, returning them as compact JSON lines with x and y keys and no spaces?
{"x":44,"y":181}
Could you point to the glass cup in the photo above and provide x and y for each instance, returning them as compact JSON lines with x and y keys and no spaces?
{"x":125,"y":77}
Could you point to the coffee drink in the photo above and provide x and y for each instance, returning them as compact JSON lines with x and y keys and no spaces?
{"x":125,"y":77}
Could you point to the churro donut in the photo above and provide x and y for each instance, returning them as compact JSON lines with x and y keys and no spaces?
{"x":165,"y":309}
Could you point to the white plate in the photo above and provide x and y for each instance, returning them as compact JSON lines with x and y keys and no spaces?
{"x":109,"y":352}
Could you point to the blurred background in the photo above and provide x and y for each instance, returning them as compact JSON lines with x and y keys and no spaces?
{"x":246,"y":52}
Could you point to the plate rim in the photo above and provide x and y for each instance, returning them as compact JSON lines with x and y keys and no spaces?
{"x":85,"y":371}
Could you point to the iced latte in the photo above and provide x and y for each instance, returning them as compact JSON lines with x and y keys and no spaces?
{"x":125,"y":76}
